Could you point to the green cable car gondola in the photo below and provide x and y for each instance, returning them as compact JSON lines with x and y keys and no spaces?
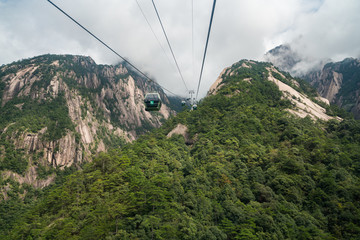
{"x":152,"y":102}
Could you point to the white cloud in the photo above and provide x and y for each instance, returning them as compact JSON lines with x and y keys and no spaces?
{"x":331,"y":32}
{"x":241,"y":29}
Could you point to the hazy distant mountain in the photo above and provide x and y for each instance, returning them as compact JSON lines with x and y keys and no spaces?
{"x":339,"y":82}
{"x":283,"y":57}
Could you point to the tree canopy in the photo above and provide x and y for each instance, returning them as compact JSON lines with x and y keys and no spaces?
{"x":253,"y":171}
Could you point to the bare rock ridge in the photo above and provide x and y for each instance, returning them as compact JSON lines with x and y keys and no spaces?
{"x":103,"y":106}
{"x":304,"y":105}
{"x":339,"y":82}
{"x":183,"y":131}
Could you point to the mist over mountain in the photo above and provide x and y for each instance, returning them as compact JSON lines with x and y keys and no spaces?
{"x":295,"y":62}
{"x":263,"y":157}
{"x":283,"y":57}
{"x":339,"y":82}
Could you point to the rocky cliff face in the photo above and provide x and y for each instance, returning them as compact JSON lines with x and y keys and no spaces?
{"x":328,"y":82}
{"x":60,"y":110}
{"x":340,"y":83}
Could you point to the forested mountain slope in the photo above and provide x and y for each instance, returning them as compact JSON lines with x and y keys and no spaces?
{"x":246,"y":168}
{"x":56,"y":111}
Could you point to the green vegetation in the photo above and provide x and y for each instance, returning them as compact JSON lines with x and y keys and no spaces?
{"x":22,"y":198}
{"x":253,"y":172}
{"x":351,"y":73}
{"x":13,"y":159}
{"x":25,"y":115}
{"x":28,"y":114}
{"x":111,"y":140}
{"x":32,"y":116}
{"x":38,"y":111}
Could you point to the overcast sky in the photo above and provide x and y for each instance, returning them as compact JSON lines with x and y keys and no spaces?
{"x":242,"y":29}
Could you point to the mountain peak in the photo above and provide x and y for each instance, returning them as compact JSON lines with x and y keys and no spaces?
{"x":303,"y":103}
{"x":59,"y":110}
{"x":283,"y":57}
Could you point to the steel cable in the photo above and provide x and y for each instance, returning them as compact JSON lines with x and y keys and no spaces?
{"x":107,"y":46}
{"x":206,"y":45}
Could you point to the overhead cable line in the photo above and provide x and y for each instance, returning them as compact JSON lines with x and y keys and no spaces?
{"x":152,"y":30}
{"x":206,"y":45}
{"x":167,"y":39}
{"x":192,"y":37}
{"x":107,"y":46}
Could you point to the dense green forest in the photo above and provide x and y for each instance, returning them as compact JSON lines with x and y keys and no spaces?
{"x":251,"y":171}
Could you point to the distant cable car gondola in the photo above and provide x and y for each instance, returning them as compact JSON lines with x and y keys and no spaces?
{"x":194,"y":107}
{"x":183,"y":103}
{"x":152,"y":102}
